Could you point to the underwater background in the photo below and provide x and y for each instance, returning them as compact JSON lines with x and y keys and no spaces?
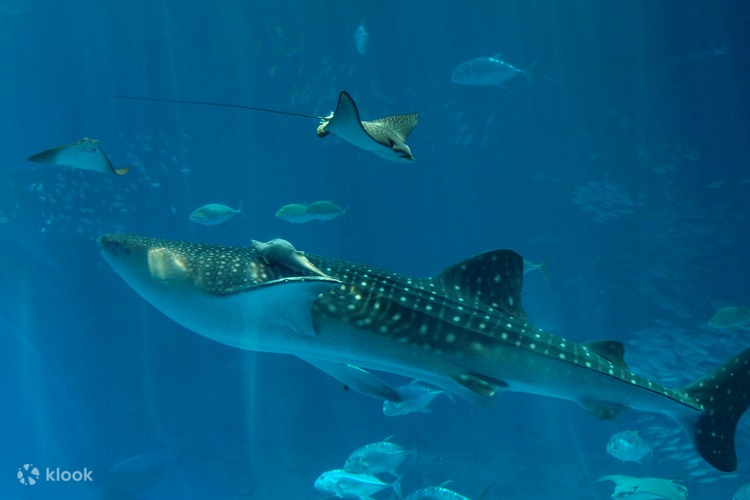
{"x":621,"y":156}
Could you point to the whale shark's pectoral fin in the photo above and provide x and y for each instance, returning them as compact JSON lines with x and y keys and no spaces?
{"x":479,"y":384}
{"x":360,"y":380}
{"x":84,"y":154}
{"x":603,"y":410}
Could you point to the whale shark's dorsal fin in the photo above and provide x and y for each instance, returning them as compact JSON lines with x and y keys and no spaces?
{"x":386,"y":137}
{"x":492,"y":278}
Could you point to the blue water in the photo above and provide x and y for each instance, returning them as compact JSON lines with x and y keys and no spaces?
{"x":623,"y":158}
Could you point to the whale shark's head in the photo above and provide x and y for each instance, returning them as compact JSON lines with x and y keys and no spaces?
{"x":229,"y":294}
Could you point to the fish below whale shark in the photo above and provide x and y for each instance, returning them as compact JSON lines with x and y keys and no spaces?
{"x":463,"y":330}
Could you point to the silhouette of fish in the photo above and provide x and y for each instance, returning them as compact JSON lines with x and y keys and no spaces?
{"x":487,"y":71}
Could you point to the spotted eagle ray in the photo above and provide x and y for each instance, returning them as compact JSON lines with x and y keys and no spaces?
{"x":84,"y":154}
{"x":385,"y":137}
{"x":463,"y":330}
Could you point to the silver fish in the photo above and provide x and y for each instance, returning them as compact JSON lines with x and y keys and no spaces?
{"x":361,"y":36}
{"x":529,"y":266}
{"x":344,"y":484}
{"x":295,"y":213}
{"x":213,"y":214}
{"x":416,"y":399}
{"x":324,"y":210}
{"x":436,"y":493}
{"x":319,"y":210}
{"x":628,"y":446}
{"x":487,"y":71}
{"x":376,"y":458}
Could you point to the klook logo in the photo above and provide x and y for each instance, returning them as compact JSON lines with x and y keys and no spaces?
{"x":29,"y":475}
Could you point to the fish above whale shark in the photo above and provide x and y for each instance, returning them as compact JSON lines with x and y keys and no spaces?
{"x":463,"y":330}
{"x":385,"y":137}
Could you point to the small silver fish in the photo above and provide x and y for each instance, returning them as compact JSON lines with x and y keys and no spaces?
{"x":361,"y":36}
{"x":529,"y":266}
{"x":213,"y":214}
{"x":376,"y":458}
{"x":416,"y":399}
{"x":295,"y":213}
{"x":436,"y":493}
{"x":344,"y":484}
{"x":628,"y":446}
{"x":487,"y":71}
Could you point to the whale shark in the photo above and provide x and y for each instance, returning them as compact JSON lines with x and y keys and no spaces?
{"x":463,"y":330}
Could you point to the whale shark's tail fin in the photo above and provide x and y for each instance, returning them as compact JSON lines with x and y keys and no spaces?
{"x":724,"y":395}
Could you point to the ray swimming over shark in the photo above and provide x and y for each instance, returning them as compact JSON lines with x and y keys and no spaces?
{"x":463,"y":330}
{"x":84,"y":154}
{"x":385,"y":137}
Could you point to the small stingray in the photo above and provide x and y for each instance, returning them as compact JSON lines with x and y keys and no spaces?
{"x":84,"y":154}
{"x":281,"y":252}
{"x":386,"y":137}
